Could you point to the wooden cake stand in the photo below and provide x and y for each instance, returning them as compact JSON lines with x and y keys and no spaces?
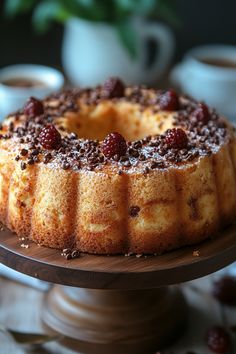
{"x":117,"y":304}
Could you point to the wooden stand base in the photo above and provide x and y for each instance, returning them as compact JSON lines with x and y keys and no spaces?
{"x":116,"y":321}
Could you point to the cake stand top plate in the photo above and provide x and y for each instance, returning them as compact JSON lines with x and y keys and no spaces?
{"x":119,"y":272}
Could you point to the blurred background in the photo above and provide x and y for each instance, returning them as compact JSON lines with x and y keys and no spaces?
{"x":201,"y":22}
{"x":141,"y":41}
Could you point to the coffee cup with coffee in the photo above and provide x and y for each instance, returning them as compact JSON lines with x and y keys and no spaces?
{"x":19,"y":82}
{"x":208,"y":73}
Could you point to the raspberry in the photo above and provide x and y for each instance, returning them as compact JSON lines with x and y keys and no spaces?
{"x":50,"y":138}
{"x":114,"y":144}
{"x":201,"y":113}
{"x":169,"y":101}
{"x":176,"y":138}
{"x":224,"y":290}
{"x":218,"y":340}
{"x":113,"y":87}
{"x":33,"y":107}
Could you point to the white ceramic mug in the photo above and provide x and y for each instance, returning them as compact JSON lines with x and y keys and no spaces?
{"x":216,"y":85}
{"x":92,"y":52}
{"x":13,"y":98}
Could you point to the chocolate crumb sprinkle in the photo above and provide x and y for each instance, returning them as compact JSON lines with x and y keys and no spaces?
{"x":69,"y":253}
{"x":133,"y":211}
{"x":147,"y":154}
{"x":24,"y":152}
{"x":23,"y":165}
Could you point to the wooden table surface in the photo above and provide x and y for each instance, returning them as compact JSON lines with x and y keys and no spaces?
{"x":21,"y":309}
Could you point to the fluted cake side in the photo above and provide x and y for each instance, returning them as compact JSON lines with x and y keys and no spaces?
{"x":103,"y":212}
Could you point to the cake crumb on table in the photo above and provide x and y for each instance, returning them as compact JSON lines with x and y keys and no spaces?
{"x":196,"y":253}
{"x":23,"y":245}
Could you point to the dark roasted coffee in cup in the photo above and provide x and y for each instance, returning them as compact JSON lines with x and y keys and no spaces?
{"x":224,"y":63}
{"x":23,"y":82}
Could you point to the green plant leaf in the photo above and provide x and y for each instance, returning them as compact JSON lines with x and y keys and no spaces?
{"x":166,"y":10}
{"x":128,"y":37}
{"x":46,"y":12}
{"x":92,"y":10}
{"x":137,"y":6}
{"x":15,"y":7}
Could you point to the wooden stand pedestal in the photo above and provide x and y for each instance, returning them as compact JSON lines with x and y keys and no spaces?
{"x":112,"y":321}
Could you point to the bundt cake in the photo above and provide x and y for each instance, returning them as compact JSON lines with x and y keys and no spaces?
{"x":117,"y":169}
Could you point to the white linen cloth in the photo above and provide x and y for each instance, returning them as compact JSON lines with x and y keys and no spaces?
{"x":24,"y":279}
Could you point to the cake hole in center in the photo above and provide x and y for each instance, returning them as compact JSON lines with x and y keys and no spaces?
{"x":130,"y":122}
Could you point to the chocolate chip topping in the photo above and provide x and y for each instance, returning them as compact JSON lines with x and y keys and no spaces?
{"x":23,"y":165}
{"x":69,"y":253}
{"x":133,"y":211}
{"x":24,"y":152}
{"x":152,"y":152}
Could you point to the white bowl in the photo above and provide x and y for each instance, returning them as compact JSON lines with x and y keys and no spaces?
{"x":216,"y":85}
{"x":13,"y":98}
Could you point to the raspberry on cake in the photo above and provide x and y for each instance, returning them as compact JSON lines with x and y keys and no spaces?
{"x":50,"y":138}
{"x":169,"y":101}
{"x":201,"y":113}
{"x":33,"y":107}
{"x":114,"y":145}
{"x":176,"y":138}
{"x":113,"y":87}
{"x":117,"y":169}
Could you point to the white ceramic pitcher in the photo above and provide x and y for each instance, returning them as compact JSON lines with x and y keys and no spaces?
{"x":92,"y":52}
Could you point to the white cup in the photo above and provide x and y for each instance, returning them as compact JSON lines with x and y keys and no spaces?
{"x":216,"y":85}
{"x":13,"y":98}
{"x":92,"y":52}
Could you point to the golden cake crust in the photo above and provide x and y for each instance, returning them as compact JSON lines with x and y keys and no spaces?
{"x":124,"y":205}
